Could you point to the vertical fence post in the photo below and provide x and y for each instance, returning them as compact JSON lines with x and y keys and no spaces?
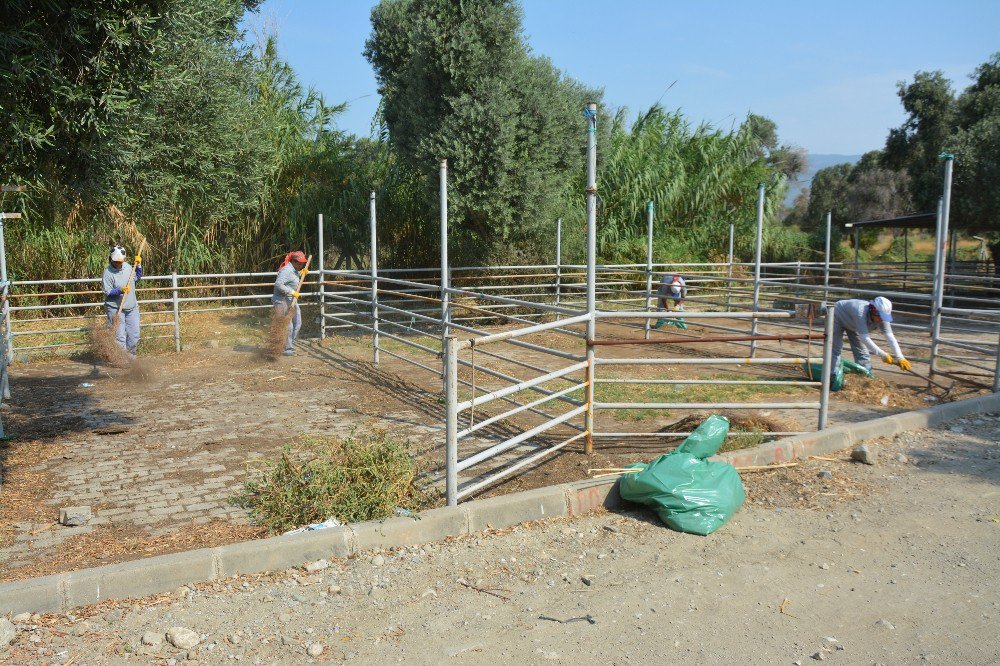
{"x":322,"y":278}
{"x":826,"y":259}
{"x":649,"y":264}
{"x":996,"y":370}
{"x":445,"y":270}
{"x":374,"y":267}
{"x":451,"y":419}
{"x":558,"y":260}
{"x":906,"y":255}
{"x":591,"y":115}
{"x":8,"y":336}
{"x":824,"y":388}
{"x":936,"y":288}
{"x":942,"y":240}
{"x":756,"y":265}
{"x":177,"y":312}
{"x":857,"y":250}
{"x":729,"y":270}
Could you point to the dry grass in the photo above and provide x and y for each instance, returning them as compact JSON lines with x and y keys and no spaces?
{"x":277,"y":333}
{"x":106,"y":348}
{"x":23,"y":488}
{"x":871,"y":391}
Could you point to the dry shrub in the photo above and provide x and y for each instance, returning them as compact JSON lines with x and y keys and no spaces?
{"x":362,"y":477}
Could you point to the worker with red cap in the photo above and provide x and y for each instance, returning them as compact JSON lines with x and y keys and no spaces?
{"x":286,"y":295}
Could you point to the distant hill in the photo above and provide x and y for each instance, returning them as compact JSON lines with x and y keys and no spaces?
{"x":815,"y":162}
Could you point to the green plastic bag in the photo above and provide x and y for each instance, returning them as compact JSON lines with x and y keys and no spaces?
{"x":688,"y":493}
{"x":815,"y":372}
{"x":851,"y":366}
{"x":679,"y":323}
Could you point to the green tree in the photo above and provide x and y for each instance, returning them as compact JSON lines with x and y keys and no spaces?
{"x":458,"y":82}
{"x":914,"y":147}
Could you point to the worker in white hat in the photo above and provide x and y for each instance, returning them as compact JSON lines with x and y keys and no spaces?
{"x":855,"y":316}
{"x":118,"y":285}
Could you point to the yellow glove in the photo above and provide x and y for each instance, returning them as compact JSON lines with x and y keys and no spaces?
{"x":904,"y":365}
{"x":304,"y":272}
{"x":138,"y":259}
{"x":887,"y":359}
{"x":126,"y":289}
{"x":295,"y":294}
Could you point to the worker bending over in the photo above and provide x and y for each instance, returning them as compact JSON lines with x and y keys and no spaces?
{"x":672,"y":288}
{"x":855,"y":316}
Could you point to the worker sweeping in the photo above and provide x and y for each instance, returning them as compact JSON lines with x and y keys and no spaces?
{"x":285,"y":299}
{"x":672,"y":289}
{"x":855,"y":317}
{"x":120,"y":302}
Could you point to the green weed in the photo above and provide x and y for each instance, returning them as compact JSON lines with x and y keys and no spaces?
{"x":361,"y":477}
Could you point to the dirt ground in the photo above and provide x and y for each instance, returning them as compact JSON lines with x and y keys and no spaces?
{"x":158,"y":459}
{"x":885,"y":564}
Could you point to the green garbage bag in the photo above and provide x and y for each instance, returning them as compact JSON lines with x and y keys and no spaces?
{"x":851,"y":366}
{"x":815,"y":372}
{"x":679,"y":323}
{"x":688,"y":493}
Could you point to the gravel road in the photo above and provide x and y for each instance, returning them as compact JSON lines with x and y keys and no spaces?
{"x":905,"y":569}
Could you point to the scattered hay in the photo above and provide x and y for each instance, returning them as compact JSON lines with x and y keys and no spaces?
{"x":277,"y":334}
{"x":109,"y":544}
{"x":141,"y":371}
{"x":872,"y":391}
{"x":106,"y":348}
{"x":746,"y":430}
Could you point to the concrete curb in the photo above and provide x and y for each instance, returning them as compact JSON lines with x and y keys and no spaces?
{"x":163,"y":573}
{"x":849,"y":434}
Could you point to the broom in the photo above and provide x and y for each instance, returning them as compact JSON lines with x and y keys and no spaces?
{"x":278,"y":332}
{"x":103,"y":338}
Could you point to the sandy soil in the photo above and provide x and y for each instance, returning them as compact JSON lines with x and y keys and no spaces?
{"x":884,"y":564}
{"x":158,"y":459}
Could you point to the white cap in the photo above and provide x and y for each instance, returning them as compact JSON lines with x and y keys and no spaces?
{"x":117,"y":253}
{"x":883,"y":306}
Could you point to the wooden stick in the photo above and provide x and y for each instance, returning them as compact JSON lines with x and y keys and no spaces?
{"x":761,"y":468}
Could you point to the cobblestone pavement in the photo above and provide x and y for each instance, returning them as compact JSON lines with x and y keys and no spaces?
{"x":166,"y":454}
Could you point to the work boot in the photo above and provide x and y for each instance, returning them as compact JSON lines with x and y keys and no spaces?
{"x":288,"y":352}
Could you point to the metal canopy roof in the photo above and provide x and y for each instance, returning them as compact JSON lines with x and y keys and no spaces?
{"x":917,"y":221}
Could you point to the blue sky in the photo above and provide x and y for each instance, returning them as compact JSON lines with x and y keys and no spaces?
{"x":826,"y":72}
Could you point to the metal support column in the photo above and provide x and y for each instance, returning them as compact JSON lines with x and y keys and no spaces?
{"x":177,"y":312}
{"x":591,"y":191}
{"x":824,"y":389}
{"x":451,"y":418}
{"x":322,"y":278}
{"x":942,"y":240}
{"x":756,"y":264}
{"x":857,"y":249}
{"x":374,"y":269}
{"x":936,"y":287}
{"x":445,"y":269}
{"x":826,"y":259}
{"x":649,"y":264}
